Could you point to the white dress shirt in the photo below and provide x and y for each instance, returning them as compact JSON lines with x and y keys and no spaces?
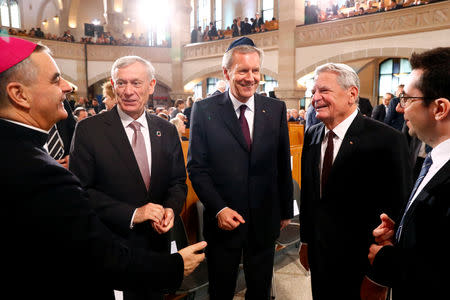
{"x":126,"y":120}
{"x":249,"y":112}
{"x":340,"y":130}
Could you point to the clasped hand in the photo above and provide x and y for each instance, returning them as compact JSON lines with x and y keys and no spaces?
{"x":161,"y":218}
{"x":383,"y":234}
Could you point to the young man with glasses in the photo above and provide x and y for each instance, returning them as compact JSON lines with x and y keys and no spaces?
{"x":412,"y":256}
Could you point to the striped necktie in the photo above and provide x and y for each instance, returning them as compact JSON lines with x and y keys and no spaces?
{"x":55,"y":144}
{"x":423,"y":172}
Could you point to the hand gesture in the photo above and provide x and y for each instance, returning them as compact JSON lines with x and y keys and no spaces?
{"x":229,"y":219}
{"x":166,"y":223}
{"x":149,"y":212}
{"x":192,"y":257}
{"x":384,"y":233}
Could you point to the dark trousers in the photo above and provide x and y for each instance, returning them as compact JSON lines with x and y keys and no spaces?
{"x":223,"y":267}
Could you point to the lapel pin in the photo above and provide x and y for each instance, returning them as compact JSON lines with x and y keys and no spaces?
{"x":351,"y":142}
{"x":264,"y":111}
{"x":158,"y":133}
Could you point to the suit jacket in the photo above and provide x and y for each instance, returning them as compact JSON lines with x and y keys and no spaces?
{"x":351,"y":201}
{"x":365,"y":107}
{"x":379,"y":113}
{"x":55,"y":244}
{"x":224,"y":173}
{"x":66,"y":127}
{"x":102,"y":157}
{"x":394,"y":118}
{"x":187,"y":113}
{"x":417,"y":267}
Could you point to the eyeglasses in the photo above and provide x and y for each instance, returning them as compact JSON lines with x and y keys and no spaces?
{"x":406,"y":100}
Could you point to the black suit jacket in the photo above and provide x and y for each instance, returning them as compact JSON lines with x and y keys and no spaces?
{"x":379,"y":113}
{"x":54,"y":243}
{"x":365,"y":107}
{"x":257,"y":183}
{"x":102,"y":157}
{"x":417,"y":267}
{"x":66,"y":127}
{"x":187,"y":113}
{"x":338,"y":226}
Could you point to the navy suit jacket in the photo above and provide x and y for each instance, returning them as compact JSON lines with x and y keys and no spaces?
{"x":54,"y":243}
{"x":102,"y":157}
{"x":224,"y":173}
{"x":417,"y":267}
{"x":338,"y":226}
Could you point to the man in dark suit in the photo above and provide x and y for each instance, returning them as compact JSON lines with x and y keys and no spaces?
{"x":343,"y":158}
{"x":57,"y":245}
{"x":365,"y":107}
{"x":379,"y":112}
{"x":239,"y":165}
{"x":393,"y":117}
{"x":136,"y":191}
{"x":414,"y":261}
{"x":221,"y":87}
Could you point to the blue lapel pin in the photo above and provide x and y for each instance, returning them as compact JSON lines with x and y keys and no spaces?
{"x":158,"y":133}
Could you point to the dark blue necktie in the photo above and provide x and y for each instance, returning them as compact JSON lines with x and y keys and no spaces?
{"x":423,"y":172}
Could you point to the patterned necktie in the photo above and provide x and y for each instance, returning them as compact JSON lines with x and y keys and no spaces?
{"x":423,"y":172}
{"x":328,"y":158}
{"x":140,"y":152}
{"x":244,"y":126}
{"x":55,"y":144}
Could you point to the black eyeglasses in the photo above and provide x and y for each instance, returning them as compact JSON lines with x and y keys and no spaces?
{"x":406,"y":100}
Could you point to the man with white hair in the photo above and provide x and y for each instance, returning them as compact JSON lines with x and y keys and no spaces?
{"x":221,"y":86}
{"x":343,"y":158}
{"x":131,"y":163}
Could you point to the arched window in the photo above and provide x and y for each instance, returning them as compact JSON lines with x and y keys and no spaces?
{"x":393,"y":71}
{"x":268,"y":84}
{"x":9,"y":13}
{"x":267,"y":10}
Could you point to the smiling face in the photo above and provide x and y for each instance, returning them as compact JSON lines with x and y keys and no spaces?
{"x":332,"y":102}
{"x":47,"y":92}
{"x":243,"y":76}
{"x":133,"y":87}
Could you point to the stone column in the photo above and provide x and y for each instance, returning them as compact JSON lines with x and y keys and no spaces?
{"x":180,"y":36}
{"x":288,"y":89}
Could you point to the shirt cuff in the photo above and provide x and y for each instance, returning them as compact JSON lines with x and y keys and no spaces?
{"x":132,"y":218}
{"x":220,"y":211}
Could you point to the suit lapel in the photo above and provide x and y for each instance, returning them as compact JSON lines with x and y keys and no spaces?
{"x":260,"y":121}
{"x":226,"y":111}
{"x":316,"y":148}
{"x":442,"y":175}
{"x":157,"y":148}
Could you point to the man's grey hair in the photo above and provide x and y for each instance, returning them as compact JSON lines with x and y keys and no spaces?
{"x":346,"y":76}
{"x":221,"y":85}
{"x":24,"y":72}
{"x":125,"y":61}
{"x":227,"y":60}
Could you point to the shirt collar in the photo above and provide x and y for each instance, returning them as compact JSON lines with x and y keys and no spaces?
{"x":236,"y":103}
{"x":341,"y":129}
{"x":28,"y":126}
{"x":126,"y":119}
{"x":441,"y":153}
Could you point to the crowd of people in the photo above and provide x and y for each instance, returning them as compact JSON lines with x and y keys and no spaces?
{"x":240,"y":27}
{"x":100,"y":220}
{"x":104,"y":38}
{"x":330,"y":10}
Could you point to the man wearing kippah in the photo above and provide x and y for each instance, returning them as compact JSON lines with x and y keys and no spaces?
{"x":54,"y":243}
{"x":239,"y":165}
